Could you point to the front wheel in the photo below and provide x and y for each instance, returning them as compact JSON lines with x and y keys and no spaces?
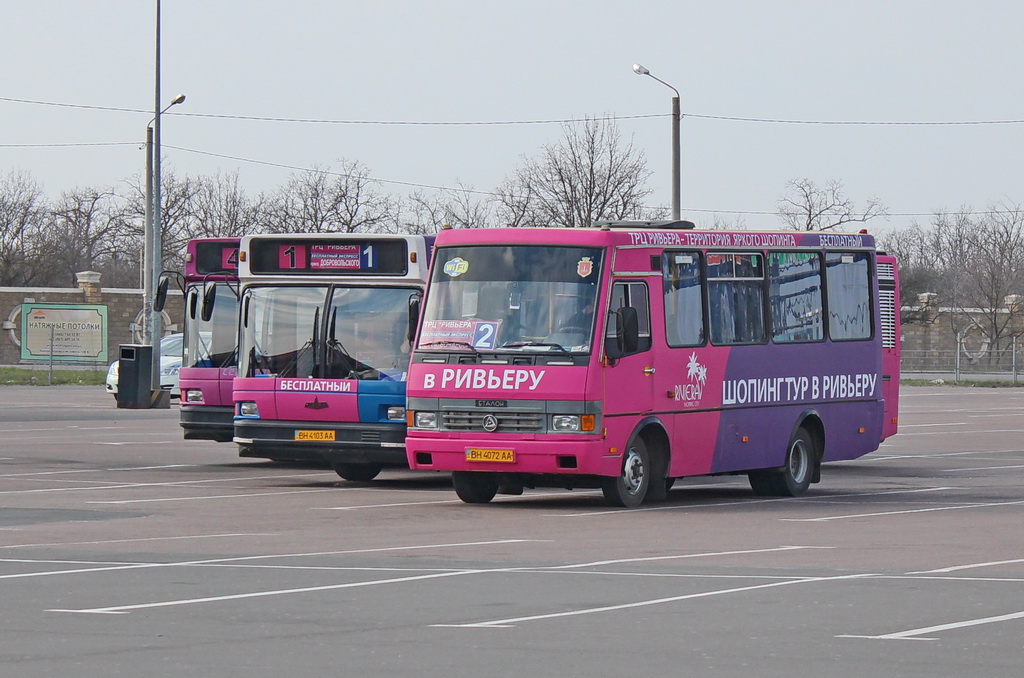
{"x":357,"y":472}
{"x":629,"y":488}
{"x":475,"y":487}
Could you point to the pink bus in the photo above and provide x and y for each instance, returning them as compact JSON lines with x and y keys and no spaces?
{"x":631,"y":354}
{"x":211,"y":339}
{"x":325,"y":328}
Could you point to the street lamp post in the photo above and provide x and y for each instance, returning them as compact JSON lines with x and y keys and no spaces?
{"x":153,"y":222}
{"x":151,"y":246}
{"x":676,"y":116}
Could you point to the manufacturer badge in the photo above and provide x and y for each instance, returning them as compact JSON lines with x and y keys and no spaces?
{"x":490,"y":423}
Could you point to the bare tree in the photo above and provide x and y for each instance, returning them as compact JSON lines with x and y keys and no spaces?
{"x":808,"y":207}
{"x":84,"y":230}
{"x":22,"y":210}
{"x":221,"y":209}
{"x":974,"y":265}
{"x":589,"y":176}
{"x":177,"y":205}
{"x":323,"y":201}
{"x":461,"y":208}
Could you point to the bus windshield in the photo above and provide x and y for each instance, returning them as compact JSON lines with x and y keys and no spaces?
{"x":520,"y":298}
{"x":213,"y":342}
{"x":331,"y":332}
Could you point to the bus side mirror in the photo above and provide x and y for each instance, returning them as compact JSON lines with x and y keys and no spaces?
{"x":414,"y":316}
{"x":627,"y":333}
{"x":209,"y":295}
{"x":161,"y":294}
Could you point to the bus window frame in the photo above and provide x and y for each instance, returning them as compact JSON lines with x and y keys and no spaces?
{"x":765,"y":337}
{"x":645,"y":340}
{"x":872,"y":277}
{"x":823,"y":296}
{"x":668,"y":259}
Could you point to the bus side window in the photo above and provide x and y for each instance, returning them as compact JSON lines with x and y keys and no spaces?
{"x":684,"y":299}
{"x":849,"y":295}
{"x":794,"y":297}
{"x":631,"y":295}
{"x":736,"y":298}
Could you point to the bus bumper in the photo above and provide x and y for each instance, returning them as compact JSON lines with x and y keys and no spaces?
{"x":207,"y":422}
{"x":547,"y":455}
{"x":353,"y":443}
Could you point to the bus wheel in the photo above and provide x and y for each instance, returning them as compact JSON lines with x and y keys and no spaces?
{"x":795,"y":476}
{"x":357,"y":472}
{"x":475,"y":487}
{"x":630,"y":487}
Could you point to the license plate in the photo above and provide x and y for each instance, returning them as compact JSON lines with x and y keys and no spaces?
{"x":314,"y":435}
{"x":500,"y":456}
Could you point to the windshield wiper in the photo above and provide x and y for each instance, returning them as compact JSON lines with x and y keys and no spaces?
{"x":451,"y":343}
{"x":528,"y":344}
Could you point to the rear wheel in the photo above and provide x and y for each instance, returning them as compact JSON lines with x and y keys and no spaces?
{"x":629,"y":488}
{"x":794,"y":477}
{"x":357,"y":472}
{"x":475,"y":487}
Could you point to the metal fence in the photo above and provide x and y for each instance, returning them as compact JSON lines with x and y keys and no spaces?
{"x":1005,"y":364}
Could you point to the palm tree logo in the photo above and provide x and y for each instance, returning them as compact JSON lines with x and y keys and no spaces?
{"x":696,"y":371}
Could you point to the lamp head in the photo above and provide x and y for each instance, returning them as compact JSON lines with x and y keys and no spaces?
{"x":640,"y":70}
{"x":178,"y":99}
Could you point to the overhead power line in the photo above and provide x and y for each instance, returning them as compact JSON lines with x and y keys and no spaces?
{"x":327,"y":121}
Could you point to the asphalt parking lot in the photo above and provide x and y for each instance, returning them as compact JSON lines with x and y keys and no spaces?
{"x":127,"y":551}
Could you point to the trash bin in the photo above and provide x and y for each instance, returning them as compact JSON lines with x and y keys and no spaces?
{"x":135,"y":379}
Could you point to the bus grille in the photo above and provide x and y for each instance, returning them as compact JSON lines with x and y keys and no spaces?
{"x":508,"y":422}
{"x":887,"y":307}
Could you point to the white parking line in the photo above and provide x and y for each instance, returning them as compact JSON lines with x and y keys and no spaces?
{"x":959,"y":507}
{"x":176,"y":483}
{"x":920,"y":634}
{"x":512,"y":621}
{"x":124,"y":609}
{"x":121,"y":609}
{"x":239,"y":559}
{"x":216,"y":496}
{"x":971,"y":566}
{"x":142,"y":539}
{"x":979,"y":468}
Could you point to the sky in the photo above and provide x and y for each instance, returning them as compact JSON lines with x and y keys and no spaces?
{"x":78,"y":89}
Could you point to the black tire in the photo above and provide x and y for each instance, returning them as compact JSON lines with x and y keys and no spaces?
{"x":794,"y":477}
{"x":475,"y":487}
{"x":357,"y":472}
{"x":629,"y":488}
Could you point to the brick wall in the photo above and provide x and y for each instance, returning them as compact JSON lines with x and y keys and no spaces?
{"x":123,"y":309}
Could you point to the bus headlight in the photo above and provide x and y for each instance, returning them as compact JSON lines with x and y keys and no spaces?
{"x":425,"y":420}
{"x":396,"y":414}
{"x":248,"y":408}
{"x":193,"y":395}
{"x":565,"y":422}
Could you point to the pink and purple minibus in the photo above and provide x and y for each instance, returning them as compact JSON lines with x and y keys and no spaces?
{"x":211,"y":339}
{"x":631,"y":354}
{"x":325,"y":327}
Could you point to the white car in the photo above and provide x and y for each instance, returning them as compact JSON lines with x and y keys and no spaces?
{"x":170,"y":366}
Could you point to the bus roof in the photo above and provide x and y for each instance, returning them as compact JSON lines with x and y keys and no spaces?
{"x":625,"y":234}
